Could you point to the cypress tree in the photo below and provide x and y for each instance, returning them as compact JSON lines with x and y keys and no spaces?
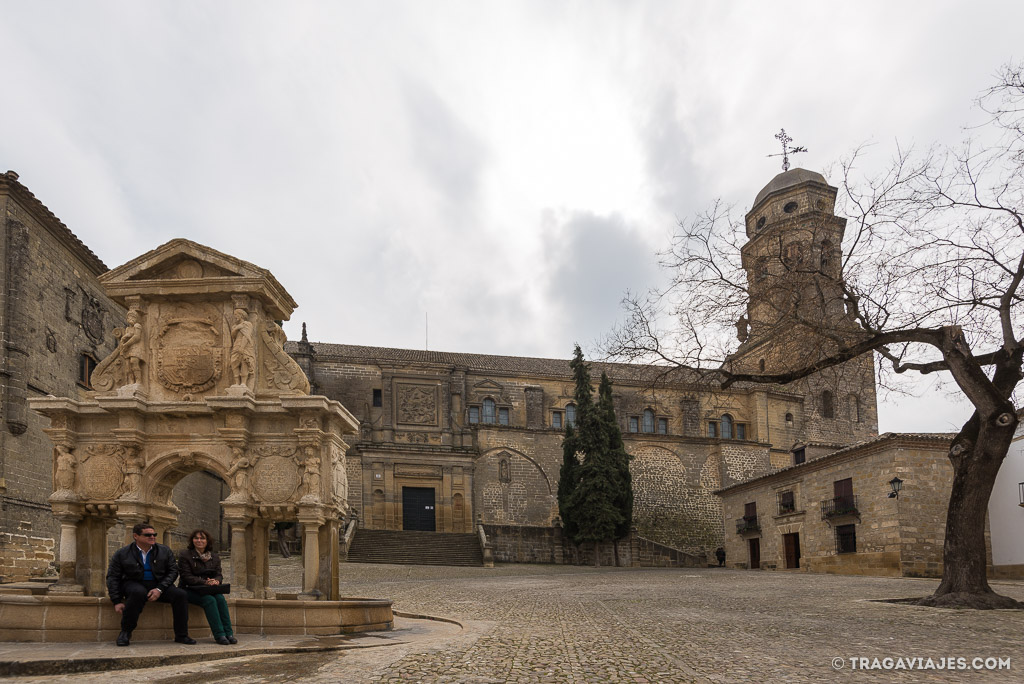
{"x":618,"y":456}
{"x":567,"y":478}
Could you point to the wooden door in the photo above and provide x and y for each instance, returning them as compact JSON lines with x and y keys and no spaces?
{"x":791,"y":547}
{"x":755,"y":553}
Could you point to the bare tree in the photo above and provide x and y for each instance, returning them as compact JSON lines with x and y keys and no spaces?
{"x":928,"y":278}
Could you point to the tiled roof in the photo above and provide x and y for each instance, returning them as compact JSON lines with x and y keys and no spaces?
{"x":56,"y":226}
{"x":909,"y":436}
{"x":520,"y":365}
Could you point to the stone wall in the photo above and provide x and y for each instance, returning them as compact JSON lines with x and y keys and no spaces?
{"x":198,"y":495}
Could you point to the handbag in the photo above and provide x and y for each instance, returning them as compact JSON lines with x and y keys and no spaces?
{"x":209,"y":590}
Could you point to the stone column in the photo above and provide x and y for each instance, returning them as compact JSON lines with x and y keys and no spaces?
{"x":310,"y":559}
{"x":444,"y":510}
{"x":239,"y":559}
{"x":260,"y":570}
{"x":327,"y":578}
{"x":67,"y":583}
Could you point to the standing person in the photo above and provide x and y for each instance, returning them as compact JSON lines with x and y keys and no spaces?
{"x":141,"y":572}
{"x":720,"y":555}
{"x":199,"y":567}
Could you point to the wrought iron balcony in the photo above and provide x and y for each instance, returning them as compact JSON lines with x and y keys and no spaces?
{"x":841,"y":505}
{"x":747,"y":524}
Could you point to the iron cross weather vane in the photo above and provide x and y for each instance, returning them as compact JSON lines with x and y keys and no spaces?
{"x":783,"y":138}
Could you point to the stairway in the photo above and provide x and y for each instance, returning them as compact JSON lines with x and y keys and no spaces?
{"x":415,"y":548}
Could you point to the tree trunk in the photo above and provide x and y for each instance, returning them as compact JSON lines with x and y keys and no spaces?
{"x":964,"y":558}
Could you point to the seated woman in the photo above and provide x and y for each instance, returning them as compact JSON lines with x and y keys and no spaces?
{"x":199,"y":566}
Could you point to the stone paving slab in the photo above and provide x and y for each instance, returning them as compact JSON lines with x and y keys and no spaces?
{"x":48,"y":660}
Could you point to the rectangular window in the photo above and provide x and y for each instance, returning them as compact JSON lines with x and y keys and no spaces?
{"x":634,"y":424}
{"x":86,"y":365}
{"x":750,"y":510}
{"x":741,"y":431}
{"x":712,"y":429}
{"x":556,"y":419}
{"x":474,"y":414}
{"x":787,"y":504}
{"x":846,"y":539}
{"x":378,"y":398}
{"x":502,"y":416}
{"x":843,"y":489}
{"x":799,"y":456}
{"x":663,"y":426}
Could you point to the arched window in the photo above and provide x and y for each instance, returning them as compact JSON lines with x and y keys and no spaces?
{"x":726,"y":426}
{"x":826,"y":255}
{"x":828,"y":408}
{"x":648,"y":420}
{"x":570,"y":414}
{"x":854,"y":408}
{"x":760,"y":365}
{"x":789,"y":419}
{"x":488,"y":410}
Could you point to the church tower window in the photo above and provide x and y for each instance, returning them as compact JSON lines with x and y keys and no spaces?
{"x":570,"y":414}
{"x":828,"y":408}
{"x":726,"y":426}
{"x":488,"y":410}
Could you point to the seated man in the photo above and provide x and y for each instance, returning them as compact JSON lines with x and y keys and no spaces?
{"x":145,"y":571}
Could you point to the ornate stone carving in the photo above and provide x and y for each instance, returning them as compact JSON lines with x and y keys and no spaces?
{"x":417,"y":404}
{"x":339,"y":479}
{"x":280,"y":370}
{"x":311,"y":476}
{"x":275,"y":477}
{"x":240,"y":465}
{"x":133,"y":348}
{"x":51,"y":341}
{"x":133,"y":466}
{"x":189,"y":356}
{"x":92,"y":317}
{"x":243,"y":350}
{"x":64,"y":474}
{"x":101,"y":472}
{"x":409,"y":470}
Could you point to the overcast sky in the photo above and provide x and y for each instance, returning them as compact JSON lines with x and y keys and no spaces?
{"x":508,"y":169}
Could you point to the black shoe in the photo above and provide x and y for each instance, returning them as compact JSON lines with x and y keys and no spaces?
{"x":184,"y":640}
{"x":124,"y":638}
{"x":232,"y":640}
{"x":222,"y":640}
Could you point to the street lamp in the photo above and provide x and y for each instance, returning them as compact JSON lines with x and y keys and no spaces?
{"x":897,"y":484}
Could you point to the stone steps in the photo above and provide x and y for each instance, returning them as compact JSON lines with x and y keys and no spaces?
{"x":415,"y":548}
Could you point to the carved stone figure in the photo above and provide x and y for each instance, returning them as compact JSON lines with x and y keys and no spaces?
{"x":311,"y":475}
{"x":133,"y":348}
{"x":742,"y":331}
{"x":64,"y":478}
{"x":243,"y":350}
{"x":133,"y":474}
{"x":240,"y":469}
{"x":280,"y":370}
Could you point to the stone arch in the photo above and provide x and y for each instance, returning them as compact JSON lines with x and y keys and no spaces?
{"x":519,"y":494}
{"x":168,"y":469}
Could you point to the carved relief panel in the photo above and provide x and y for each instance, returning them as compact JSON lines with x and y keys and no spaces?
{"x":416,"y":403}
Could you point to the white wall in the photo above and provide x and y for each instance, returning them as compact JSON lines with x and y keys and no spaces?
{"x":1006,"y":517}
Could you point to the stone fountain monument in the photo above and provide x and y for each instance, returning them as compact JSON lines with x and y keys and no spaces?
{"x":200,"y":381}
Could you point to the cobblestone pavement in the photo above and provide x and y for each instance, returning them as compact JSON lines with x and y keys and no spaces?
{"x":535,"y":623}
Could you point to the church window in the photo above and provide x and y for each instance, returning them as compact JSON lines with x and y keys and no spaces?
{"x":556,"y":419}
{"x":741,"y":431}
{"x":789,"y":420}
{"x":663,"y":426}
{"x":474,"y":414}
{"x":570,"y":414}
{"x":489,"y":411}
{"x":760,"y":222}
{"x":828,"y":408}
{"x":854,"y":408}
{"x":503,"y":416}
{"x":726,"y":426}
{"x":86,"y":365}
{"x":760,"y":365}
{"x":634,"y":424}
{"x":799,"y":456}
{"x":378,"y":399}
{"x":712,"y":429}
{"x":790,"y":207}
{"x":648,"y":420}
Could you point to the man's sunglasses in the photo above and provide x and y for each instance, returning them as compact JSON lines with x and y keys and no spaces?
{"x":148,"y":534}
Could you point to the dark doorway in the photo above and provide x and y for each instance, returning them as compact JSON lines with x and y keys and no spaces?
{"x":755,"y":553}
{"x":791,"y":547}
{"x":418,"y":509}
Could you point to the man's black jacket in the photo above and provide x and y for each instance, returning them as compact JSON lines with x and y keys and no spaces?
{"x":126,"y":564}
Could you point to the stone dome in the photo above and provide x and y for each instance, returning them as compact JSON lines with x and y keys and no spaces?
{"x":788,"y":179}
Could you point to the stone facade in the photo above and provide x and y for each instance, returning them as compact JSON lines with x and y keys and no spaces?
{"x":880,"y":535}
